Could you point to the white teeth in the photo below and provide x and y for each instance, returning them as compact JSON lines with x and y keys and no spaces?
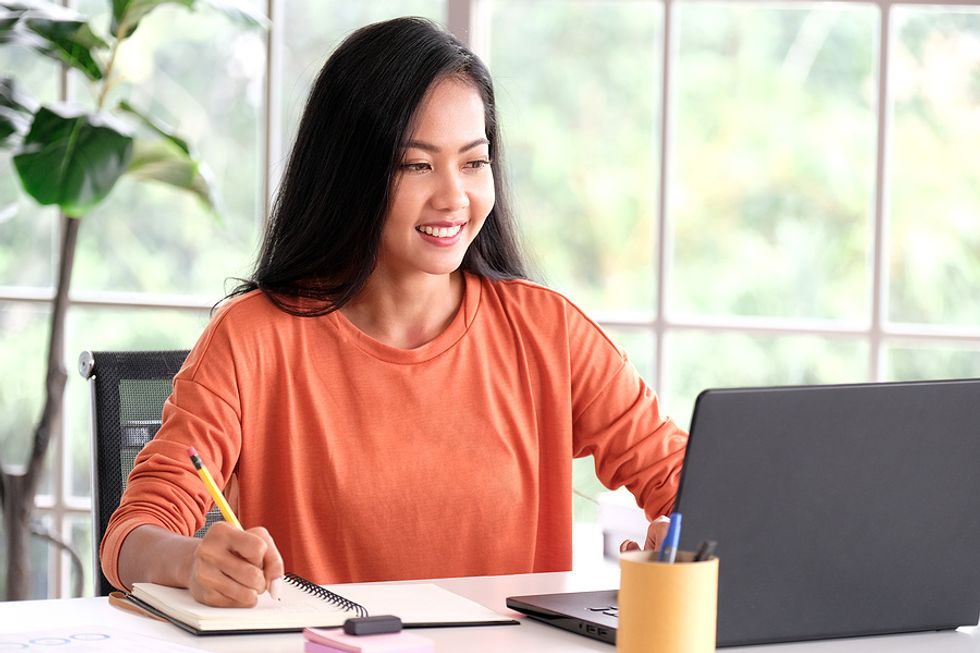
{"x":440,"y":232}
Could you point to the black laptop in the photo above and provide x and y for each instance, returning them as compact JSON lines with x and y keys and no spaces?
{"x":839,"y":511}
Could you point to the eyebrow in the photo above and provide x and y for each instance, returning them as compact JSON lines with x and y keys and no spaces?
{"x":429,"y":147}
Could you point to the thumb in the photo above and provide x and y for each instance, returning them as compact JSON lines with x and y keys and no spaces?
{"x":657,"y":532}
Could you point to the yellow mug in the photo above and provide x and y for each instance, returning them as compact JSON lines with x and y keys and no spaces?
{"x":667,"y":608}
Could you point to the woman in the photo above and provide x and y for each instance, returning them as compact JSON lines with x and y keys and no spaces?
{"x":393,"y":396}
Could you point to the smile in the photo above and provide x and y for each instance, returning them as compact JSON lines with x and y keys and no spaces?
{"x":440,"y":232}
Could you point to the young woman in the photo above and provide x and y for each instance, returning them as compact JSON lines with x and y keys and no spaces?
{"x":388,"y":397}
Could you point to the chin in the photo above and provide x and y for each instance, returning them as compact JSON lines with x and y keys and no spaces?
{"x":442,"y":270}
{"x":441,"y":265}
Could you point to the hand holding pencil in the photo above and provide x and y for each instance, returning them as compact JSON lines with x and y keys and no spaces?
{"x":232,"y":566}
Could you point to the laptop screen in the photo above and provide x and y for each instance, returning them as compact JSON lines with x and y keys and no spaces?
{"x":838,"y":510}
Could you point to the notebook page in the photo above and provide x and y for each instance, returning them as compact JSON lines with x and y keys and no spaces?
{"x":421,"y":603}
{"x":297,"y":609}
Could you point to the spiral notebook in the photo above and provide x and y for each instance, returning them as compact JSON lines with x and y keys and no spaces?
{"x":419,"y":605}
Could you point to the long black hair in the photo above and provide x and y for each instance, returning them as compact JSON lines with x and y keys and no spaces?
{"x":321,"y":243}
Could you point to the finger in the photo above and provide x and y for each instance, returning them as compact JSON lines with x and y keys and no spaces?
{"x":241,"y":572}
{"x":228,"y":553}
{"x":212,"y":586}
{"x":628,"y":545}
{"x":272,"y":565}
{"x":249,"y":545}
{"x":657,"y":532}
{"x":224,"y":593}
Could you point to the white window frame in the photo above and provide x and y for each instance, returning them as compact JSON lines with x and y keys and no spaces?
{"x":470,"y":20}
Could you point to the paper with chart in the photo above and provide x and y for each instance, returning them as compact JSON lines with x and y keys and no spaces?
{"x":88,"y":639}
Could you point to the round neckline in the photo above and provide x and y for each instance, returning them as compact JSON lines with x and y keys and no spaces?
{"x":456,"y":329}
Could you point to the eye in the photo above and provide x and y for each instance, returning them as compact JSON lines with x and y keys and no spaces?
{"x":476,"y":165}
{"x":420,"y":166}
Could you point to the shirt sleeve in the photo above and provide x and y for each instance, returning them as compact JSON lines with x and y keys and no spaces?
{"x":618,"y":420}
{"x":163,"y":488}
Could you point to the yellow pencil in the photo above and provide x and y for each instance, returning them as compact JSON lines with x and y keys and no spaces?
{"x":229,"y":515}
{"x":219,"y":499}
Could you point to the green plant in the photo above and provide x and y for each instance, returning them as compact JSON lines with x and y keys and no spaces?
{"x":70,"y":156}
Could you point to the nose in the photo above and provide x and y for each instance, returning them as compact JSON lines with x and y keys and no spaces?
{"x":450,"y":192}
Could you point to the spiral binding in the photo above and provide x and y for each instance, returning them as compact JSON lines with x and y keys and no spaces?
{"x":326,"y":595}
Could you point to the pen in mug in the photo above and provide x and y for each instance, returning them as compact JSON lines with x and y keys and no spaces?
{"x":219,"y":500}
{"x":668,"y":552}
{"x":705,"y":551}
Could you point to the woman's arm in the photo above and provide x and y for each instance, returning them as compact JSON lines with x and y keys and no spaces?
{"x":153,"y":554}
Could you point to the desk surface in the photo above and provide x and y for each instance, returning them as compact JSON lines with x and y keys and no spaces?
{"x":492,"y":591}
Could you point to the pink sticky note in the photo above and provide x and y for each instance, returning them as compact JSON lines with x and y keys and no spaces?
{"x":335,"y":640}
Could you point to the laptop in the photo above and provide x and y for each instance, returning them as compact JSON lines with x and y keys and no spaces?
{"x":839,"y":511}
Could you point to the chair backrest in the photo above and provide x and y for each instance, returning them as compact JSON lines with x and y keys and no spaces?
{"x":128,"y":391}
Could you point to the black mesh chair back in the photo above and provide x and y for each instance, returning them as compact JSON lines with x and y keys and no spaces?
{"x":128,"y":391}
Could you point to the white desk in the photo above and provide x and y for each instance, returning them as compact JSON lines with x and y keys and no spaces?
{"x":24,"y":616}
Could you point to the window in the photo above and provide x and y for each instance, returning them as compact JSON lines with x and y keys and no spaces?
{"x":757,"y":215}
{"x":741,"y":192}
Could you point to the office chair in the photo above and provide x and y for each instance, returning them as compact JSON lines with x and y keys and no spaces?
{"x":128,"y":391}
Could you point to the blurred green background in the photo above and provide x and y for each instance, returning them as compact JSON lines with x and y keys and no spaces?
{"x":770,"y":239}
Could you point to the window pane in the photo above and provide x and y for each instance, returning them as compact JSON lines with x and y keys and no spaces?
{"x":80,"y":538}
{"x":773,"y":160}
{"x":934,"y":189}
{"x":700,"y":360}
{"x":25,"y":332}
{"x":96,"y":329}
{"x":24,"y":329}
{"x":314,"y":29}
{"x":41,"y":563}
{"x":202,"y":74}
{"x":911,"y":362}
{"x":26,"y":228}
{"x":577,"y":86}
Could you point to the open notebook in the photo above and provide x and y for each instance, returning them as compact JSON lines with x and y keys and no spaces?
{"x":422,"y":605}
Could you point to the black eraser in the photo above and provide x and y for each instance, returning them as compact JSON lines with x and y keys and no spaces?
{"x":383,"y":623}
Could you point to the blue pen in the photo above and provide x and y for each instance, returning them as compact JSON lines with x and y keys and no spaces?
{"x":668,"y":552}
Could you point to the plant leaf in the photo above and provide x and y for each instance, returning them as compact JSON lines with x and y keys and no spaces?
{"x":53,"y":31}
{"x":12,"y":125}
{"x":72,"y":159}
{"x":155,"y":126}
{"x":12,"y":97}
{"x":165,"y":162}
{"x":16,"y":112}
{"x":70,"y":41}
{"x":126,"y":14}
{"x":238,"y":14}
{"x":10,"y":13}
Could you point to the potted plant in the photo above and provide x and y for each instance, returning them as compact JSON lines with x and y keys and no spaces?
{"x":70,"y":156}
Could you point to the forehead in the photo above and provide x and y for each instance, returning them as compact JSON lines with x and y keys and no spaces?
{"x":452,"y":110}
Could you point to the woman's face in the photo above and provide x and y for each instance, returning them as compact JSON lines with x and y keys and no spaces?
{"x":443,"y":187}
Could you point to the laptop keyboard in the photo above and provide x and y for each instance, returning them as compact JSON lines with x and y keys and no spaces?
{"x":608,"y":610}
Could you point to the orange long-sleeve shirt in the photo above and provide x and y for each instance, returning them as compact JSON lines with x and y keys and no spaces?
{"x":367,"y":462}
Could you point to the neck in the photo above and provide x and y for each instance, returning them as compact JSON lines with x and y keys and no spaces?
{"x":406,"y":312}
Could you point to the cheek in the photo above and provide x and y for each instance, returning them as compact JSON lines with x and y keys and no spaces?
{"x":403,"y":208}
{"x":483,"y":200}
